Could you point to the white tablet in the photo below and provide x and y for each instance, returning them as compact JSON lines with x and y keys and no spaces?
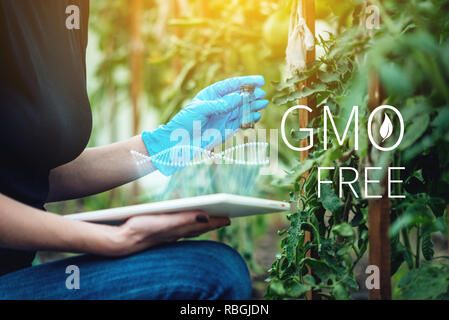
{"x":220,"y":204}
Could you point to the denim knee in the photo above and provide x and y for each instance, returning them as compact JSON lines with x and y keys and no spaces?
{"x":227,"y":269}
{"x":193,"y":270}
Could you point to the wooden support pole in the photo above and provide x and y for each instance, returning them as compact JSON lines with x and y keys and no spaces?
{"x":379,"y":244}
{"x":379,"y":220}
{"x":308,"y":11}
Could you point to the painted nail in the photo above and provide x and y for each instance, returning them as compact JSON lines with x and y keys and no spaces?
{"x":202,"y":219}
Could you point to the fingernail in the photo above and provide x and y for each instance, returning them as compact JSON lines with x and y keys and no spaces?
{"x":202,"y":219}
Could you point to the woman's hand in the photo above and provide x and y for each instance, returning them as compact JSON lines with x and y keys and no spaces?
{"x":141,"y":232}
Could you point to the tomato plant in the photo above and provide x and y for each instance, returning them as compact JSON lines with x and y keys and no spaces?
{"x":410,"y":53}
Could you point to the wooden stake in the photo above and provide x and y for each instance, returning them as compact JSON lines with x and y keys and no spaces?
{"x":308,"y":11}
{"x":379,"y":221}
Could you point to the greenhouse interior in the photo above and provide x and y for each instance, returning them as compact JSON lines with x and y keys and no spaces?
{"x":312,"y":134}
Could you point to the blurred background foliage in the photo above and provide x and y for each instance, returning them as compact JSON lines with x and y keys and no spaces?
{"x":408,"y":54}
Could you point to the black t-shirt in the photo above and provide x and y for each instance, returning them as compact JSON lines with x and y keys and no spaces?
{"x":45,"y":116}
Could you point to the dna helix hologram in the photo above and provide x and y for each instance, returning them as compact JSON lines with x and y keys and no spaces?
{"x":250,"y":154}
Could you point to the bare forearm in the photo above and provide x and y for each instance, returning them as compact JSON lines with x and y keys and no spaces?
{"x":97,"y":170}
{"x":27,"y":228}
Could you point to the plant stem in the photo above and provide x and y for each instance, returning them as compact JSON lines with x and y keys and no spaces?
{"x":405,"y":231}
{"x":359,"y":256}
{"x":418,"y":246}
{"x":406,"y":238}
{"x":347,"y":207}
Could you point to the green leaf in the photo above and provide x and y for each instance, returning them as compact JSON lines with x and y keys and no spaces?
{"x":441,"y":121}
{"x":438,"y":206}
{"x":415,"y":130}
{"x":303,"y":167}
{"x":415,"y":214}
{"x":354,"y":96}
{"x":293,"y":238}
{"x":299,"y":135}
{"x":329,"y":199}
{"x":358,"y":218}
{"x":284,"y":99}
{"x":321,"y":269}
{"x":341,"y":293}
{"x":351,"y":283}
{"x":395,"y":80}
{"x":290,"y":82}
{"x":427,"y":246}
{"x":297,"y":290}
{"x":344,"y":230}
{"x":396,"y":254}
{"x":408,"y":258}
{"x":309,"y":279}
{"x":328,"y":77}
{"x":440,"y":224}
{"x":428,"y":282}
{"x":414,"y":107}
{"x":277,"y":287}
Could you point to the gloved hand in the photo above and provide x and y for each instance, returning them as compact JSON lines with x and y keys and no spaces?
{"x":216,"y":107}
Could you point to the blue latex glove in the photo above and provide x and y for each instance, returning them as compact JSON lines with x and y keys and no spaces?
{"x":215,"y":107}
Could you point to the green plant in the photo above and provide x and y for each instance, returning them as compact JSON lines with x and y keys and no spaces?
{"x":430,"y":281}
{"x":410,"y":53}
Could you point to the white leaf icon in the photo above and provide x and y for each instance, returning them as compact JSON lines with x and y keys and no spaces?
{"x":386,"y":129}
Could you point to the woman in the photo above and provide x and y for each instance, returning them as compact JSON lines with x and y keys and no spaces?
{"x":45,"y":125}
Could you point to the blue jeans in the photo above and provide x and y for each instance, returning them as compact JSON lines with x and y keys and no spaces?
{"x":182,"y":270}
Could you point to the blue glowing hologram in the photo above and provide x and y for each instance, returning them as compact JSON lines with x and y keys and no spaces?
{"x":250,"y":154}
